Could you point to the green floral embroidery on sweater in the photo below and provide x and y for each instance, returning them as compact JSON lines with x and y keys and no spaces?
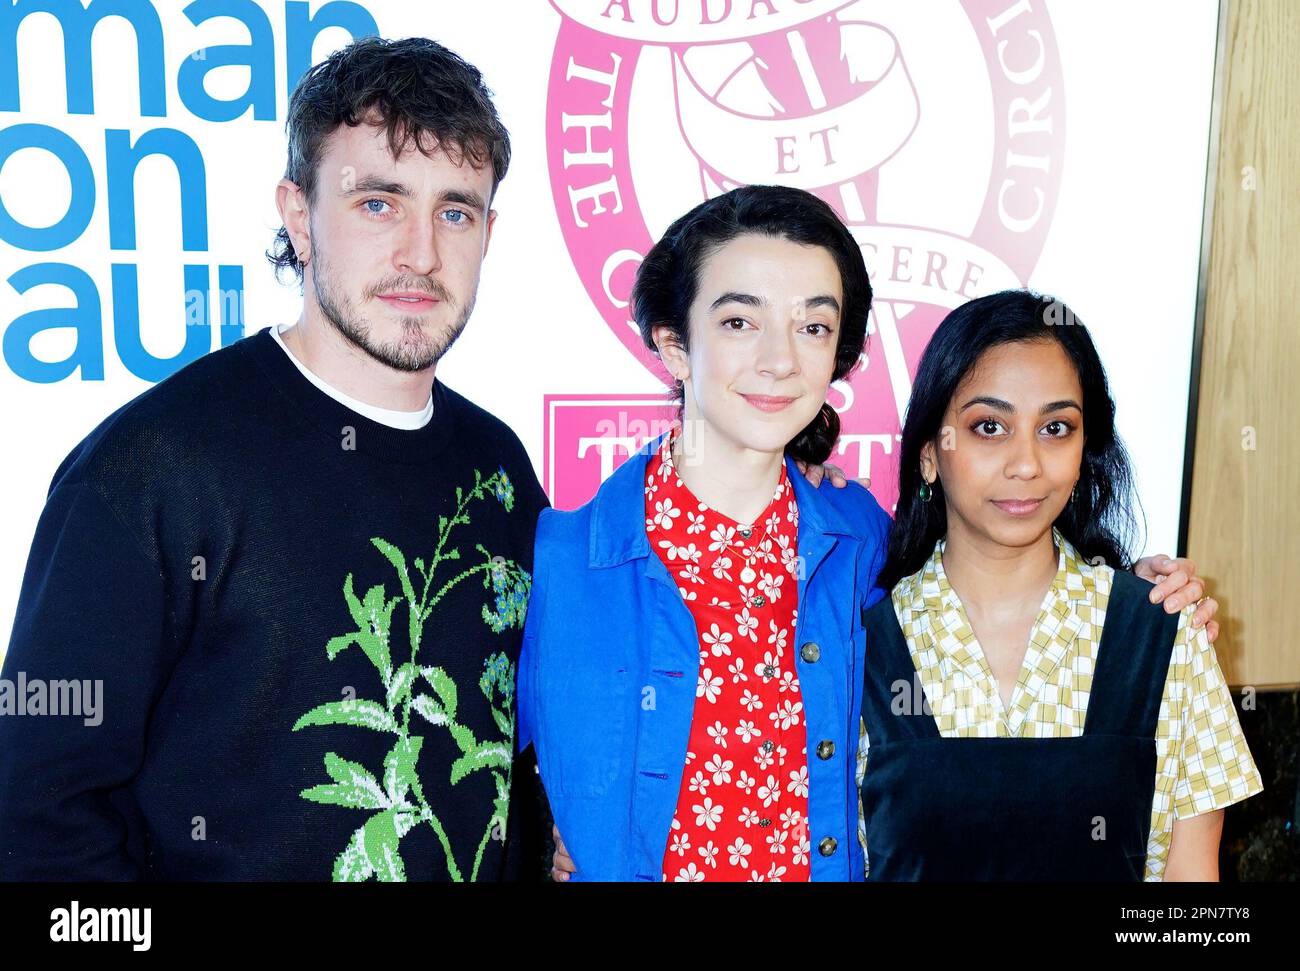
{"x":394,"y":794}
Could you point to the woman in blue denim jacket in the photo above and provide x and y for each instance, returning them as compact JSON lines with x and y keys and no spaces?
{"x":756,"y":301}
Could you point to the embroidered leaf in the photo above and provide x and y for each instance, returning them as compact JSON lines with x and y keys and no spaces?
{"x":501,"y":804}
{"x":351,"y":711}
{"x":381,"y":838}
{"x":373,"y":636}
{"x":398,"y":559}
{"x":490,"y":755}
{"x":346,"y":796}
{"x":443,"y":687}
{"x":400,"y":686}
{"x":345,"y":770}
{"x":354,"y":605}
{"x":414,"y":618}
{"x":356,"y":788}
{"x":429,"y":710}
{"x":464,"y":737}
{"x":373,"y":849}
{"x":340,"y":643}
{"x":373,"y":618}
{"x":503,"y":723}
{"x":404,"y":822}
{"x":397,"y":799}
{"x":399,"y":767}
{"x":352,"y":865}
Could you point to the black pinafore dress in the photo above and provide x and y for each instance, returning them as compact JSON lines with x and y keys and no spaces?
{"x":1018,"y":809}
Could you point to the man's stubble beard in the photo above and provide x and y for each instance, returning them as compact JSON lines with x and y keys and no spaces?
{"x":415,"y":350}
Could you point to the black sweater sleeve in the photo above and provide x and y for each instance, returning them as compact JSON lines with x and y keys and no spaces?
{"x":92,"y":610}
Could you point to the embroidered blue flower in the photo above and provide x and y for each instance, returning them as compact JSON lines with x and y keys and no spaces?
{"x":503,"y":488}
{"x":498,"y":675}
{"x":510,"y":587}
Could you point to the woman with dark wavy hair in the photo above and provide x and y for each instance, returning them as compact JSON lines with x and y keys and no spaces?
{"x":688,"y":670}
{"x":1029,"y":713}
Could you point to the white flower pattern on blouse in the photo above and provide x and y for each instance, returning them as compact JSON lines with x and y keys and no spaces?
{"x":742,"y":808}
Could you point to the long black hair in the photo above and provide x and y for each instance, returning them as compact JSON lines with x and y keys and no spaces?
{"x":1099,"y":521}
{"x":668,"y":279}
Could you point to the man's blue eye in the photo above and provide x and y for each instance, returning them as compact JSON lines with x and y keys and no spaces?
{"x":461,"y":217}
{"x":371,"y":203}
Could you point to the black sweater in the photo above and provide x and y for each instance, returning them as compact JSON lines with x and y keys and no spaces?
{"x":232,"y":558}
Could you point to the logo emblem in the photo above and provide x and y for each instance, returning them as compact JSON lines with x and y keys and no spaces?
{"x":935,"y":131}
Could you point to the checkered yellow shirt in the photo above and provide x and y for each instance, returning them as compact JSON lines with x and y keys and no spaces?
{"x":1202,"y":760}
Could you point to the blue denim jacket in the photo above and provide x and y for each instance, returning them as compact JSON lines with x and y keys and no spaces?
{"x":610,"y":662}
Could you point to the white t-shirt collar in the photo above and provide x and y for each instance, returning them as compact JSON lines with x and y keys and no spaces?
{"x":405,"y":420}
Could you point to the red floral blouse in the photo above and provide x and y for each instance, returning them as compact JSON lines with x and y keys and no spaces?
{"x":743,"y":803}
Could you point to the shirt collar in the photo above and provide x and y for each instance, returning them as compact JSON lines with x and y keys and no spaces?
{"x":777,"y":524}
{"x":928,"y":589}
{"x":618,"y":523}
{"x":667,"y":470}
{"x":937,"y":618}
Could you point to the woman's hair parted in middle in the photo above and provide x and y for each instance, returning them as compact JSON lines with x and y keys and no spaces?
{"x":668,"y":278}
{"x":1100,"y":522}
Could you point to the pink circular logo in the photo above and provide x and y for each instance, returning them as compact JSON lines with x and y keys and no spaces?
{"x":936,"y":132}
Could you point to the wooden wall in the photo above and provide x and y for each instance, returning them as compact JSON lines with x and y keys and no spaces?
{"x":1244,"y":525}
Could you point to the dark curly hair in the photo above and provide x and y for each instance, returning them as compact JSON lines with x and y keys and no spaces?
{"x":1100,"y":521}
{"x":418,"y":91}
{"x":668,"y":279}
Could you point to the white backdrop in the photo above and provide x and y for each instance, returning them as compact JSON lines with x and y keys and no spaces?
{"x":1120,"y":232}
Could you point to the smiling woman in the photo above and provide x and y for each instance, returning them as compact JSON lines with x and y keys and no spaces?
{"x":1069,"y":729}
{"x":687,"y":670}
{"x":780,"y":312}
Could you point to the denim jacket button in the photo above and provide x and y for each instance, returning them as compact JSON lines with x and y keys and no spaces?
{"x":825,"y":749}
{"x":810,"y":652}
{"x":827,"y":846}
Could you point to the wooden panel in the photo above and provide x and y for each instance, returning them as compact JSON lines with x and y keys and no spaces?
{"x":1245,"y":512}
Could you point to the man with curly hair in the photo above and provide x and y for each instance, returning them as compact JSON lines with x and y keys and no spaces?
{"x":294,"y":573}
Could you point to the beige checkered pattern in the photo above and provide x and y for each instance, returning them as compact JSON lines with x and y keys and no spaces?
{"x":1202,"y":760}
